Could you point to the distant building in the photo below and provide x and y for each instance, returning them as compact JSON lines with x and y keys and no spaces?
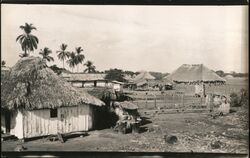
{"x":142,"y":80}
{"x":117,"y":86}
{"x":228,"y":77}
{"x":196,"y":74}
{"x":88,"y":80}
{"x":83,"y":80}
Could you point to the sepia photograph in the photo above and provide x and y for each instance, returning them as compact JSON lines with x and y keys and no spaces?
{"x":124,"y":78}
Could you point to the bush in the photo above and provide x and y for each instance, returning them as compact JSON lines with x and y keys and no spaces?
{"x":235,"y":100}
{"x":243,"y":96}
{"x":240,"y":99}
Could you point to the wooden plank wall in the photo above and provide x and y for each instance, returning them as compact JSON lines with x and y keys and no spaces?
{"x":69,"y":119}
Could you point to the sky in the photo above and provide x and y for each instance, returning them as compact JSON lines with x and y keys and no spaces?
{"x":136,"y":38}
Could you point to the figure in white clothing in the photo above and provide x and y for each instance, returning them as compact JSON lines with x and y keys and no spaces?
{"x":225,"y":106}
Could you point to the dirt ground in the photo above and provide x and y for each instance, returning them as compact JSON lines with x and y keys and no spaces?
{"x":195,"y":132}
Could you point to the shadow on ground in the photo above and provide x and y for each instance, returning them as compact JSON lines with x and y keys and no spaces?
{"x":145,"y":121}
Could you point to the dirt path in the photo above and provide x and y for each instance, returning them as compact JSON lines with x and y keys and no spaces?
{"x":194,"y":131}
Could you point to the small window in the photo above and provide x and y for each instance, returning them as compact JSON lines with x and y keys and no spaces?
{"x":53,"y":113}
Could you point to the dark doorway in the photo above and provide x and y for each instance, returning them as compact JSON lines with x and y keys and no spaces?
{"x":94,"y":83}
{"x":7,"y":121}
{"x":104,"y":118}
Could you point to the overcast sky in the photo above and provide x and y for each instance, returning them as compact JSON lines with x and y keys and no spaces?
{"x":153,"y":38}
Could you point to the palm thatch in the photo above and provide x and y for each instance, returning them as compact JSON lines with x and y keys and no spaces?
{"x":144,"y":75}
{"x":4,"y":72}
{"x":102,"y":93}
{"x":194,"y":73}
{"x":164,"y":82}
{"x":32,"y":85}
{"x":228,"y":77}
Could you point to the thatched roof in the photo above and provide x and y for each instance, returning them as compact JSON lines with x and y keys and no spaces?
{"x":159,"y":82}
{"x":144,"y":75}
{"x":4,"y":72}
{"x":141,"y":83}
{"x":83,"y":76}
{"x":194,"y":73}
{"x":228,"y":77}
{"x":128,"y":77}
{"x":5,"y":68}
{"x":32,"y":85}
{"x":101,"y":92}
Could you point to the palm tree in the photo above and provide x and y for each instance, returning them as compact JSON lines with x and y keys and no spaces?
{"x":63,"y":54}
{"x":45,"y":52}
{"x":27,"y":40}
{"x":79,"y":57}
{"x":90,"y":67}
{"x":72,"y":60}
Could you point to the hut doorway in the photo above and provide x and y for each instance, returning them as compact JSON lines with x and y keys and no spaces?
{"x":7,"y":122}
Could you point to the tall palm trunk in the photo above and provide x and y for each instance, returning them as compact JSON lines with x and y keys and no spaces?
{"x":25,"y":52}
{"x":63,"y":63}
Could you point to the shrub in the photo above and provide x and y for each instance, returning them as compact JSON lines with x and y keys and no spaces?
{"x":243,"y":96}
{"x":235,"y":100}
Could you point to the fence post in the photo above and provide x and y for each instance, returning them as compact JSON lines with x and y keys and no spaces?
{"x":201,"y":100}
{"x":173,"y":100}
{"x":146,"y":100}
{"x":209,"y":102}
{"x":182,"y":100}
{"x":155,"y":101}
{"x":165,"y":95}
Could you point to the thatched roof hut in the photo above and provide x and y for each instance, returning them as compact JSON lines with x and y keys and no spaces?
{"x":194,"y":73}
{"x":144,"y":75}
{"x":228,"y":77}
{"x":32,"y":85}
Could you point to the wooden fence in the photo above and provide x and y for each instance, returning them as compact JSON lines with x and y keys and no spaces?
{"x":169,"y":101}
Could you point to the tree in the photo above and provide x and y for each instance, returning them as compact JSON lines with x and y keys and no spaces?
{"x":63,"y":54}
{"x":90,"y":67}
{"x":220,"y":73}
{"x":58,"y":70}
{"x":72,"y":60}
{"x":45,"y":52}
{"x":79,"y":57}
{"x":115,"y":74}
{"x":27,"y":40}
{"x":3,"y":63}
